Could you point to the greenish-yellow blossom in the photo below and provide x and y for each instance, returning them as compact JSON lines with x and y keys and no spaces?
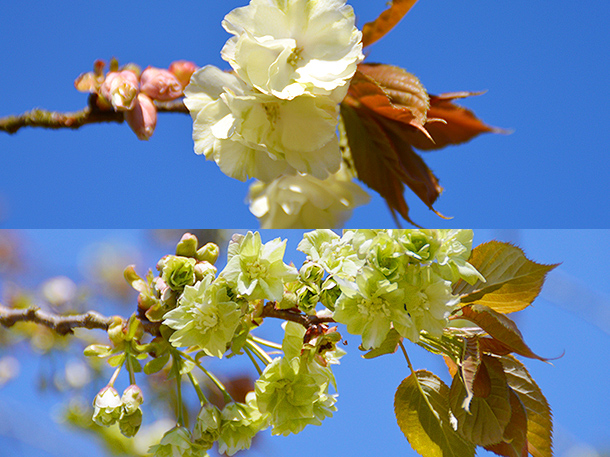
{"x":256,"y":270}
{"x":205,"y":317}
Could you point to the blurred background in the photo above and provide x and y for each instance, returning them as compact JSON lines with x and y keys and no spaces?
{"x":542,"y":64}
{"x":47,"y":386}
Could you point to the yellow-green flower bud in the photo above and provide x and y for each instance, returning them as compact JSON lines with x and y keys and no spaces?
{"x":130,"y":424}
{"x":107,"y":404}
{"x":209,"y":252}
{"x":178,"y":271}
{"x":187,"y":246}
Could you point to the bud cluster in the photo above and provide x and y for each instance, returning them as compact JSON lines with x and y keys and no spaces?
{"x":133,"y":92}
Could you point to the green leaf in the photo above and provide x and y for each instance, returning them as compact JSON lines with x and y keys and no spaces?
{"x":499,"y":327}
{"x":389,"y":345}
{"x":97,"y":350}
{"x":514,"y":441}
{"x":490,"y":410}
{"x":155,"y":365}
{"x":116,"y":360}
{"x":422,"y":413}
{"x":513,"y":281}
{"x":539,"y":418}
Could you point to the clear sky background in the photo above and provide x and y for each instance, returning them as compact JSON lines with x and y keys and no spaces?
{"x":545,"y":66}
{"x":572,"y":315}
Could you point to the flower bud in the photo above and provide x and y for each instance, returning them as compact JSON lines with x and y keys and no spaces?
{"x":187,"y":246}
{"x":160,"y":84}
{"x":143,"y":117}
{"x":121,"y":89}
{"x":207,"y":427}
{"x":183,"y":70}
{"x":311,"y":272}
{"x":115,"y":332}
{"x":132,"y":399}
{"x":87,"y":82}
{"x":107,"y":406}
{"x":209,"y":252}
{"x":130,"y":424}
{"x":203,"y":269}
{"x":178,"y":271}
{"x":175,"y":443}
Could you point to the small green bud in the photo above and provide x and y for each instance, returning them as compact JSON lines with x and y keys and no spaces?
{"x":115,"y":332}
{"x":177,"y":271}
{"x":130,"y":424}
{"x":203,"y":269}
{"x":207,"y":427}
{"x":330,"y":293}
{"x":187,"y":246}
{"x":311,"y":272}
{"x":209,"y":253}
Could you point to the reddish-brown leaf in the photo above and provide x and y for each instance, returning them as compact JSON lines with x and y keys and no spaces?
{"x":539,"y":417}
{"x":449,"y":123}
{"x":514,"y":440}
{"x":383,"y":159}
{"x":403,"y":89}
{"x":373,"y":31}
{"x":471,"y":362}
{"x":499,"y":327}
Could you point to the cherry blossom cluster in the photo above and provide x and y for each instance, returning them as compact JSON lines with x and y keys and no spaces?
{"x":275,"y":116}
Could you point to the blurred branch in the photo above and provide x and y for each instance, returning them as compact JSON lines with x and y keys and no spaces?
{"x":60,"y":324}
{"x":89,"y":115}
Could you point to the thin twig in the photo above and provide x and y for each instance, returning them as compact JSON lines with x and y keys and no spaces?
{"x":88,"y":115}
{"x":269,"y":310}
{"x":60,"y":324}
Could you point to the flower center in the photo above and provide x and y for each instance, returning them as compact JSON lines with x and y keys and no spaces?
{"x":257,"y":270}
{"x":295,"y":57}
{"x":375,"y":307}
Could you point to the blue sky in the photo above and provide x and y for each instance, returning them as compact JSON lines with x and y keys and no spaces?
{"x":544,"y":65}
{"x":571,"y":315}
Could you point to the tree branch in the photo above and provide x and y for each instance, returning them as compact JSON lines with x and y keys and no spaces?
{"x":60,"y":324}
{"x":269,"y":310}
{"x":88,"y":115}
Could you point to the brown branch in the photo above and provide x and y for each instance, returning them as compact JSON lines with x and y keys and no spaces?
{"x":269,"y":310}
{"x":89,"y":115}
{"x":60,"y":324}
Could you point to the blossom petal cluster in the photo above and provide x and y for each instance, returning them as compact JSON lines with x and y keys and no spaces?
{"x":399,"y":279}
{"x":277,"y":114}
{"x":205,"y":317}
{"x":304,"y":201}
{"x":292,"y":391}
{"x":256,"y":270}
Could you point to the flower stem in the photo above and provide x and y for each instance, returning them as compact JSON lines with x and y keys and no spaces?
{"x":114,"y":376}
{"x":197,"y":388}
{"x":263,"y":342}
{"x":248,"y":352}
{"x":259,"y":351}
{"x":179,"y":406}
{"x":414,"y":374}
{"x":225,"y":393}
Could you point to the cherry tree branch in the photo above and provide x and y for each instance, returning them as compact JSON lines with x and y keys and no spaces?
{"x":269,"y":310}
{"x":88,"y":115}
{"x":60,"y":324}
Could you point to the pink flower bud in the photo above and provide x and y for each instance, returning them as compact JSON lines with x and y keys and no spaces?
{"x":183,"y":69}
{"x":121,"y":89}
{"x":160,"y":84}
{"x":143,"y":117}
